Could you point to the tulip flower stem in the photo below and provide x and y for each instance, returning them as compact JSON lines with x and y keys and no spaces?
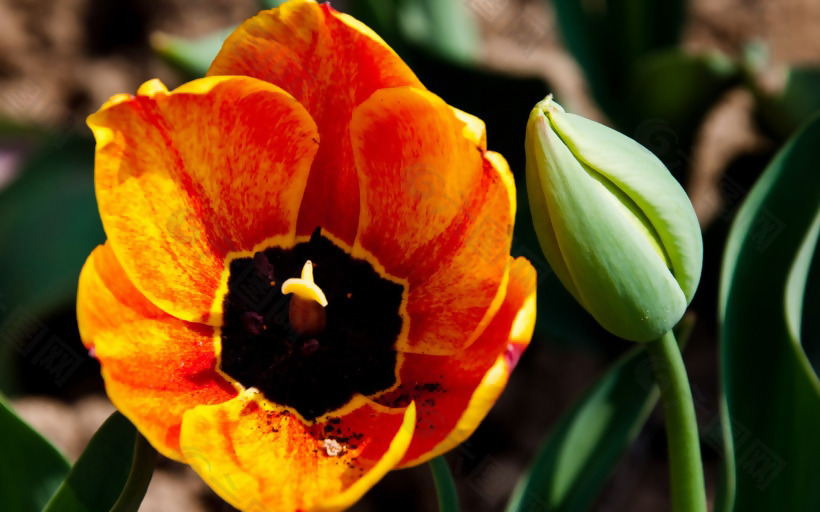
{"x":142,"y":469}
{"x":685,"y":466}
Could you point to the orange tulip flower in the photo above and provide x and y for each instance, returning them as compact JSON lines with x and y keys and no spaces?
{"x":307,"y":280}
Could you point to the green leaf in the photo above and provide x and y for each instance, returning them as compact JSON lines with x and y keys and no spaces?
{"x":444,"y":27}
{"x":782,"y":112}
{"x":270,"y":4}
{"x":49,"y":224}
{"x":678,"y":87}
{"x":771,"y":394}
{"x":583,"y":448}
{"x":142,"y":470}
{"x":31,"y":468}
{"x":608,"y":37}
{"x":810,"y":331}
{"x":98,"y":477}
{"x":445,"y":486}
{"x":379,"y":15}
{"x":192,"y":57}
{"x":669,"y":94}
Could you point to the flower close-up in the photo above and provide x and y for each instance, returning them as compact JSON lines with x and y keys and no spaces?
{"x":307,"y":278}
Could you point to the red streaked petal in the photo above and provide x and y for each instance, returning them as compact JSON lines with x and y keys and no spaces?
{"x":454,"y":393}
{"x":155,"y":366}
{"x":254,"y":454}
{"x":330,"y":63}
{"x":436,"y":211}
{"x":183,"y":178}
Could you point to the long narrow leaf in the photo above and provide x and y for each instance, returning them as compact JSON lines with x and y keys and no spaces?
{"x":445,"y":486}
{"x":142,"y":470}
{"x":580,"y":453}
{"x":30,"y":467}
{"x":100,"y":474}
{"x":771,"y":392}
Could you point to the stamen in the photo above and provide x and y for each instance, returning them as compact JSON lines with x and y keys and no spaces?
{"x":304,"y":287}
{"x":307,"y":307}
{"x":263,"y":265}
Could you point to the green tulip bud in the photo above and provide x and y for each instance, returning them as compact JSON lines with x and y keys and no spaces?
{"x":616,"y":227}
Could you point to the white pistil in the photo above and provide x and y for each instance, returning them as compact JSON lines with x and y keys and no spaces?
{"x":307,"y":307}
{"x":304,"y":287}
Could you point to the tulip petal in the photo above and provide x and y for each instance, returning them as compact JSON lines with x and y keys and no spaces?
{"x":258,"y":456}
{"x":183,"y":178}
{"x":540,"y":211}
{"x":641,"y":176}
{"x":454,"y":393}
{"x":435,"y":211}
{"x":155,"y":366}
{"x":330,"y":63}
{"x":474,"y":128}
{"x":606,"y":262}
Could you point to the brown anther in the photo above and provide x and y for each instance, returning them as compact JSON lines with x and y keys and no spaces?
{"x":253,"y":322}
{"x":263,"y":265}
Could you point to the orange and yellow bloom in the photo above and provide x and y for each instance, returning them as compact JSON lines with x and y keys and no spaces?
{"x":307,"y":280}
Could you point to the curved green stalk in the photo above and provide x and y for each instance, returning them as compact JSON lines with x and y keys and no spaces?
{"x":685,"y":466}
{"x":445,"y":486}
{"x":142,"y":469}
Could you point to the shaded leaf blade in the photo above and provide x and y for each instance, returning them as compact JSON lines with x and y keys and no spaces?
{"x":97,"y":479}
{"x":445,"y":485}
{"x":579,"y":454}
{"x":771,"y":392}
{"x":31,"y":468}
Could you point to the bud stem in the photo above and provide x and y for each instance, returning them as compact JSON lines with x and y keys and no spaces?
{"x":685,"y":466}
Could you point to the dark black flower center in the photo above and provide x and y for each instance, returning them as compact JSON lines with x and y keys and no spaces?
{"x":298,"y":353}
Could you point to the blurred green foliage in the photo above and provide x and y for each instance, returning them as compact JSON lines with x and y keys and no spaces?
{"x":445,"y":28}
{"x":49,"y":224}
{"x":653,"y":91}
{"x":781,"y":110}
{"x":608,"y":38}
{"x":192,"y":57}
